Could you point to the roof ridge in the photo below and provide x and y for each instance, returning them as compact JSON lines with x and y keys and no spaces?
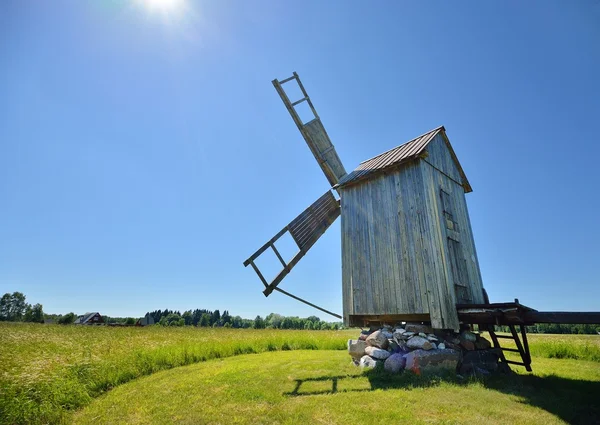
{"x":441,"y":127}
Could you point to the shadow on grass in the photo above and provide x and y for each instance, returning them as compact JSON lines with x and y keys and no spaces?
{"x":573,"y":401}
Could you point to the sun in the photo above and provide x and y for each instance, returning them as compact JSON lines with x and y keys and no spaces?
{"x":164,"y":5}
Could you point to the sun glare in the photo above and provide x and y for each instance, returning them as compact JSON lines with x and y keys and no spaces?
{"x":164,"y":5}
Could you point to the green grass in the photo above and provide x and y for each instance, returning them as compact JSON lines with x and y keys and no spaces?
{"x":46,"y":372}
{"x":321,"y":387}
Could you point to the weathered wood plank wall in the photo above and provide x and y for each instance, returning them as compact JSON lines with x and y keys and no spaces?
{"x":395,"y":258}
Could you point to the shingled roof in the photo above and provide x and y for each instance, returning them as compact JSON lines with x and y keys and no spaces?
{"x":406,"y":152}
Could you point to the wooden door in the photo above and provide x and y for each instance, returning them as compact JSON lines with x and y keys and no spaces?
{"x":456,"y":259}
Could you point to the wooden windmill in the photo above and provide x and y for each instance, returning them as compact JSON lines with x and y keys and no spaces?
{"x":407,"y":246}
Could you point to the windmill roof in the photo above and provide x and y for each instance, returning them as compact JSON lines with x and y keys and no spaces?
{"x":400,"y":154}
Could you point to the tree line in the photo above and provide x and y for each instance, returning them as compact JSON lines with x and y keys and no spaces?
{"x":14,"y":308}
{"x":555,"y":328}
{"x":208,"y":318}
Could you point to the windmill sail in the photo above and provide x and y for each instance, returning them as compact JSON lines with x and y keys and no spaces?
{"x":314,"y":133}
{"x":305,"y":229}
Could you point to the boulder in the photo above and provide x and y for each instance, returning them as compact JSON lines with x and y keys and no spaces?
{"x":377,"y":353}
{"x":418,"y":342}
{"x":482,"y":344}
{"x":394,"y":363}
{"x":473,"y":361}
{"x":393,"y":346}
{"x":387,"y":334}
{"x":425,"y":362}
{"x":356,"y":348}
{"x":468,"y":335}
{"x":441,"y":346}
{"x":418,"y":328}
{"x":377,"y":339}
{"x":367,"y":362}
{"x":467,"y":345}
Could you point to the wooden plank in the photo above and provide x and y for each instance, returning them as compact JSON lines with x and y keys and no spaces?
{"x":278,"y":255}
{"x":288,"y":79}
{"x":363,"y":319}
{"x":271,"y":286}
{"x":262,"y":278}
{"x":564,"y":317}
{"x":314,"y":135}
{"x":520,"y":348}
{"x":307,"y":303}
{"x":264,"y":247}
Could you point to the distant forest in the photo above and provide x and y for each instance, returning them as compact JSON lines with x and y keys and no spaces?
{"x":14,"y":308}
{"x":207,"y":318}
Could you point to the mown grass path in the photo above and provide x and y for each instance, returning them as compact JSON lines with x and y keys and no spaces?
{"x":321,"y":387}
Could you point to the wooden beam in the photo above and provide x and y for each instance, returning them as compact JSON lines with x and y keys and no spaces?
{"x":262,"y":278}
{"x":564,"y":317}
{"x":307,"y":303}
{"x":279,"y":256}
{"x":264,"y":247}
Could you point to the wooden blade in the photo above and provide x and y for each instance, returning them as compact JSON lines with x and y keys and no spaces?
{"x":305,"y":229}
{"x":314,"y":134}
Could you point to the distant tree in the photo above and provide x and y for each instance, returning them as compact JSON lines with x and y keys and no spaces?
{"x":225,"y":318}
{"x":173,"y":319}
{"x":205,"y":320}
{"x":130,"y":321}
{"x":216,"y":317}
{"x":34,"y":314}
{"x":188,"y":318}
{"x":67,"y":319}
{"x":18,"y":306}
{"x":275,"y":320}
{"x":237,"y":322}
{"x":259,"y":323}
{"x":13,"y":307}
{"x":5,"y":302}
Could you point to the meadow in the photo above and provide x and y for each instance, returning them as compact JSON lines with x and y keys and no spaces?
{"x":63,"y":374}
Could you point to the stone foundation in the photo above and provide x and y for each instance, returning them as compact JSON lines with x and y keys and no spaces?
{"x":417,"y":348}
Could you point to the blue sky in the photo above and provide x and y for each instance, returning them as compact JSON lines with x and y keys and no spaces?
{"x":144,"y":154}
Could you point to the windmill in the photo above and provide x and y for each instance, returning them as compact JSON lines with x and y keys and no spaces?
{"x":408,"y":251}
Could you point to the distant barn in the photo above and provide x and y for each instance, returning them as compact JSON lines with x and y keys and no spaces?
{"x":89,"y":319}
{"x":146,"y":320}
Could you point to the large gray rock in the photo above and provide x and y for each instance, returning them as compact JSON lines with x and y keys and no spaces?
{"x":482,"y":344}
{"x":356,"y":348}
{"x":436,"y":361}
{"x":418,"y":328}
{"x":377,"y":353}
{"x":474,"y":361}
{"x":394,"y":363}
{"x":367,"y":362}
{"x":469,"y":336}
{"x":377,"y":339}
{"x":418,"y":342}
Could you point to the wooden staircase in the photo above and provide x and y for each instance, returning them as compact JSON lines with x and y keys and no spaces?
{"x":522,"y":346}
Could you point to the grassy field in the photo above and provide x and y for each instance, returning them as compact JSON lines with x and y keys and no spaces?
{"x":48,"y":372}
{"x":322,"y":387}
